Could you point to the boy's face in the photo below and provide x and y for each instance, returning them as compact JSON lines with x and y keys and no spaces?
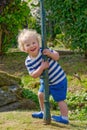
{"x":32,"y":46}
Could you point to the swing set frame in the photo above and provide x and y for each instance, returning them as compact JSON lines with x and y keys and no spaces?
{"x":47,"y":117}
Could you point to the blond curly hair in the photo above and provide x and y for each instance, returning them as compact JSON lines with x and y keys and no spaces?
{"x":24,"y":36}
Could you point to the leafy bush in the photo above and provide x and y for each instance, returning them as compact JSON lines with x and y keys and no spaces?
{"x":77,"y":100}
{"x":68,"y":17}
{"x":15,"y":16}
{"x":26,"y":93}
{"x":53,"y":104}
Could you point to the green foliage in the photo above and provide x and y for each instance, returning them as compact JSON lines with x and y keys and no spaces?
{"x":77,"y":100}
{"x":26,"y":93}
{"x":54,"y":105}
{"x":70,"y":18}
{"x":28,"y":81}
{"x":15,"y":16}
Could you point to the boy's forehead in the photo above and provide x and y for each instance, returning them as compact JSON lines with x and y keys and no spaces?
{"x":31,"y":38}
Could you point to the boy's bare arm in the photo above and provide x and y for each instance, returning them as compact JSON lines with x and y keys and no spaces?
{"x":54,"y":55}
{"x":39,"y":71}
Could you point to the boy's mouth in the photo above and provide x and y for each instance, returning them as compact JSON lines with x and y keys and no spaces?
{"x":33,"y":49}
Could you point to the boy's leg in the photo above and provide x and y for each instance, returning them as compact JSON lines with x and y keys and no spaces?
{"x":64,"y":113}
{"x":41,"y":100}
{"x":63,"y":108}
{"x":59,"y":92}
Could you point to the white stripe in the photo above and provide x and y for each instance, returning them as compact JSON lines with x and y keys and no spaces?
{"x":54,"y":72}
{"x":37,"y":63}
{"x":30,"y":72}
{"x":58,"y":81}
{"x":57,"y":76}
{"x":50,"y":62}
{"x":52,"y":67}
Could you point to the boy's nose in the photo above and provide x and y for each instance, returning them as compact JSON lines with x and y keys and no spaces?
{"x":32,"y":45}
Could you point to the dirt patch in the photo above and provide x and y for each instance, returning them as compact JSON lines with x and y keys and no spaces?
{"x":13,"y":63}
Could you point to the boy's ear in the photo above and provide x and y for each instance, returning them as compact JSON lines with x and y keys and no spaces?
{"x":24,"y":50}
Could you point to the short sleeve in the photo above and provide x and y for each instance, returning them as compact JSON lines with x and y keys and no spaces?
{"x":29,"y":66}
{"x":51,"y":50}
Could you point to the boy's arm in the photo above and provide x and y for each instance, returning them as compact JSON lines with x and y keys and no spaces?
{"x":39,"y":71}
{"x":54,"y":55}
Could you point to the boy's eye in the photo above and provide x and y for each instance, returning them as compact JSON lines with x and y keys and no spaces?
{"x":28,"y":45}
{"x":33,"y":42}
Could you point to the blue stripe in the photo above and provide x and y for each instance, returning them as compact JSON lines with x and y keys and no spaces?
{"x":30,"y":69}
{"x":29,"y":64}
{"x":28,"y":60}
{"x":37,"y":59}
{"x":54,"y":69}
{"x":57,"y":73}
{"x":56,"y":79}
{"x":37,"y":66}
{"x":53,"y":62}
{"x":49,"y":59}
{"x":41,"y":50}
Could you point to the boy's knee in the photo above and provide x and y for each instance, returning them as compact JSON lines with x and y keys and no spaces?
{"x":40,"y":94}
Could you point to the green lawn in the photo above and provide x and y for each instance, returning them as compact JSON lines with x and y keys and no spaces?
{"x":22,"y":120}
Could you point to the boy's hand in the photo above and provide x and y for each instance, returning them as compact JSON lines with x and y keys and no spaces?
{"x":54,"y":55}
{"x":47,"y":52}
{"x":39,"y":70}
{"x":45,"y":65}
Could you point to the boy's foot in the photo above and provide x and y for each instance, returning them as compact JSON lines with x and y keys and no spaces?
{"x":59,"y":119}
{"x":37,"y":115}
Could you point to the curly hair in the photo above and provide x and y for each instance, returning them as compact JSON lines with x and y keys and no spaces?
{"x":24,"y":36}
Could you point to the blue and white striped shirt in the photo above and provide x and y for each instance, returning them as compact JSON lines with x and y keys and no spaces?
{"x":55,"y":72}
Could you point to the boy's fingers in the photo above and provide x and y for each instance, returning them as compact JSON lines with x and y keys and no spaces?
{"x":42,"y":60}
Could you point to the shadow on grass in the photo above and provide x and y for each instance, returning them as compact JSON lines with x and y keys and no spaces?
{"x":59,"y":125}
{"x":77,"y":125}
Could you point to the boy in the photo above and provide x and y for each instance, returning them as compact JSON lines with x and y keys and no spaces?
{"x":29,"y":42}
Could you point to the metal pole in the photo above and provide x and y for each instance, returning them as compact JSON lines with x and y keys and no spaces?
{"x":47,"y":117}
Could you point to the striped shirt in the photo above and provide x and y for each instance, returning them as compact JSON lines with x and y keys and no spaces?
{"x":55,"y":72}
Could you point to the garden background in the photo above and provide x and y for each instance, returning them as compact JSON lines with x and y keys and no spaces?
{"x":66,"y":23}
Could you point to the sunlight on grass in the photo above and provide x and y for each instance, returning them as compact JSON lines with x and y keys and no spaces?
{"x":22,"y":120}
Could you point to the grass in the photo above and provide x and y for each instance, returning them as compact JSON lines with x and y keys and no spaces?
{"x":22,"y":120}
{"x":13,"y":63}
